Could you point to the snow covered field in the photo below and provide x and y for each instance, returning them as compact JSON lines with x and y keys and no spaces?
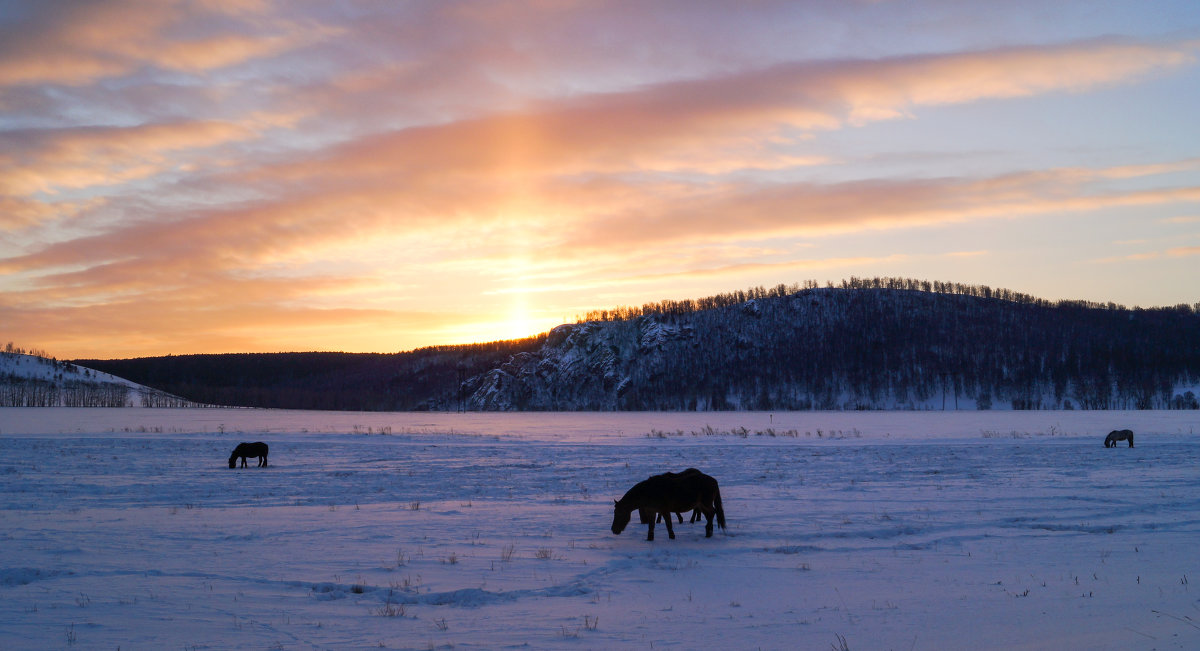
{"x":876,"y":530}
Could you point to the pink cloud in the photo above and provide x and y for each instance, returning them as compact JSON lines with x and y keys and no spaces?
{"x":50,"y":161}
{"x":78,"y":43}
{"x":1183,"y":251}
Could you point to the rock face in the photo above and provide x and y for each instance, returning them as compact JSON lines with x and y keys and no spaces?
{"x":581,"y":367}
{"x":584,"y":366}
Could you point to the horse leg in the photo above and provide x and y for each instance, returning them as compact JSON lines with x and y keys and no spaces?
{"x":650,"y":531}
{"x":680,"y":516}
{"x":670,"y":529}
{"x":708,"y":526}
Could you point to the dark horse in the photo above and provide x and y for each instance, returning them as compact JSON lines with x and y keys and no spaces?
{"x":671,"y":493}
{"x":243,"y":450}
{"x":1110,"y":441}
{"x":644,"y":515}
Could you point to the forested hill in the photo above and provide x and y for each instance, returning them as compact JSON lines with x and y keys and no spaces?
{"x":849,"y":347}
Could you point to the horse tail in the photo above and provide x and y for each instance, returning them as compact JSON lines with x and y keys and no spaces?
{"x":717,"y":505}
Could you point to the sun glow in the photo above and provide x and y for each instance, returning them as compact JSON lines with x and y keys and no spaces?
{"x":519,"y":323}
{"x":515,"y":321}
{"x":518,"y":326}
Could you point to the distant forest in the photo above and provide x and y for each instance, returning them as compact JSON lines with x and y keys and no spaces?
{"x":318,"y":380}
{"x":688,"y":306}
{"x":864,"y":344}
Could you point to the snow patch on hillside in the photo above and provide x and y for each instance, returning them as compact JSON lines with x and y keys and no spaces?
{"x":32,"y":367}
{"x":35,"y":381}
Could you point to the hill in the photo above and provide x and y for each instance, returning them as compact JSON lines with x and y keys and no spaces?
{"x":881,"y":344}
{"x":36,"y":381}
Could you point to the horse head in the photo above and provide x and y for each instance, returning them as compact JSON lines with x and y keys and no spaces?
{"x":620,"y":517}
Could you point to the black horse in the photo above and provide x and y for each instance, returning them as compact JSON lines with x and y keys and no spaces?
{"x":243,"y":450}
{"x":644,"y":515}
{"x":1110,"y":441}
{"x":671,"y":493}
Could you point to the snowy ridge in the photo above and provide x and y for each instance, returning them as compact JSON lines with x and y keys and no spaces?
{"x":834,"y":349}
{"x":33,"y":367}
{"x":35,"y":381}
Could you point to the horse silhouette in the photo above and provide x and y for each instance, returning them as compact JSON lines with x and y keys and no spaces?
{"x":668,"y":494}
{"x":645,"y":514}
{"x":1110,"y":441}
{"x":243,"y":450}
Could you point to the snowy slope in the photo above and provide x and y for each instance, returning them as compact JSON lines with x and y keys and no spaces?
{"x":30,"y":380}
{"x":41,"y":368}
{"x":835,"y":349}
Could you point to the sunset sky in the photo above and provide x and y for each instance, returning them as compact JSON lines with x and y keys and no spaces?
{"x":256,"y":176}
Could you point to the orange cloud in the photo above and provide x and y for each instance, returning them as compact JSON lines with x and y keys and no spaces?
{"x":730,"y":122}
{"x":888,"y":88}
{"x":136,"y":328}
{"x":18,"y":213}
{"x":474,"y":172}
{"x":77,"y":43}
{"x":50,"y":161}
{"x":1183,"y":251}
{"x":799,"y":209}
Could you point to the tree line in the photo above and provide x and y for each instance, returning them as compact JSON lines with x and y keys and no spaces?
{"x":866,"y":343}
{"x":727,"y":299}
{"x":18,"y":391}
{"x":320,"y":380}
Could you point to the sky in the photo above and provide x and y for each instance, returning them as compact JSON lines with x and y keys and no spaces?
{"x":256,"y":176}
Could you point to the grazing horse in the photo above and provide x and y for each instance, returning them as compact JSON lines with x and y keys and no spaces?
{"x":1110,"y":441}
{"x":243,"y":450}
{"x":671,"y":493}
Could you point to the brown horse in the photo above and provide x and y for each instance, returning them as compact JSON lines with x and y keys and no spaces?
{"x":671,"y":493}
{"x":243,"y":450}
{"x":1110,"y":441}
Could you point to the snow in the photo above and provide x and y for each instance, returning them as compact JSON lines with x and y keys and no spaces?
{"x":41,"y":368}
{"x":32,"y":380}
{"x":888,"y":530}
